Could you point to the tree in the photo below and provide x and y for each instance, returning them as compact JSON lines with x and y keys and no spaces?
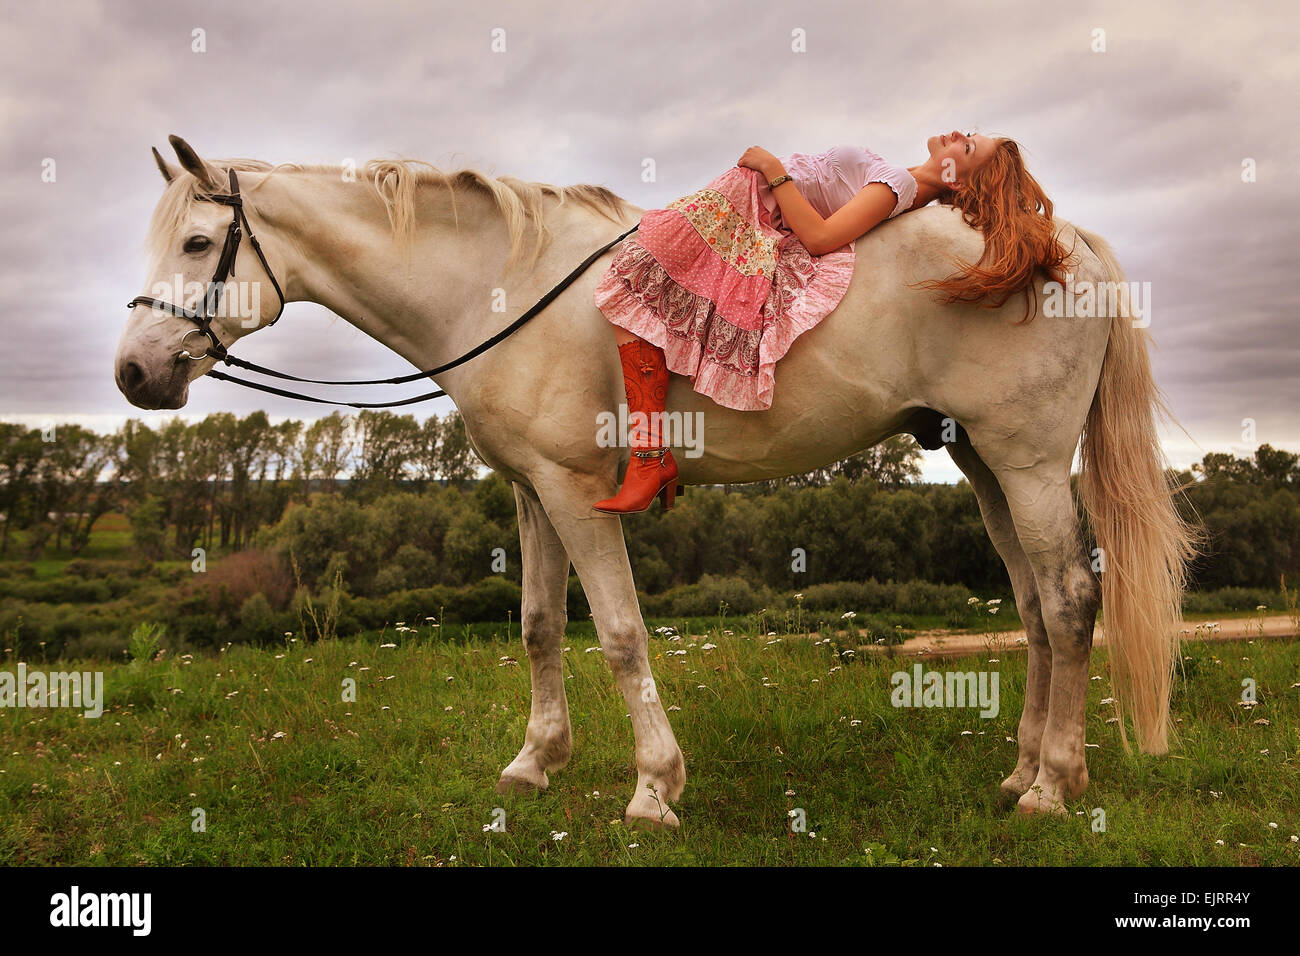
{"x":456,"y":461}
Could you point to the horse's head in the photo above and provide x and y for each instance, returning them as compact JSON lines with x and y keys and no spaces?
{"x":195,"y":271}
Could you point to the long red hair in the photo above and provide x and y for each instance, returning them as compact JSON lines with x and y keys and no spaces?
{"x":1007,"y":205}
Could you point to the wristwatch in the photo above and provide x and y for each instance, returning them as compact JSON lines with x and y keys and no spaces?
{"x":784,"y":178}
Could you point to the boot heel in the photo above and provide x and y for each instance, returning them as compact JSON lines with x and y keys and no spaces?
{"x":667,"y":493}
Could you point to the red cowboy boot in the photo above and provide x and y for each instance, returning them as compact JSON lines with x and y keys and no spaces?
{"x":651,"y":470}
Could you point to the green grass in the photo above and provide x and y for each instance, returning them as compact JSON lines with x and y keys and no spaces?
{"x":405,"y":775}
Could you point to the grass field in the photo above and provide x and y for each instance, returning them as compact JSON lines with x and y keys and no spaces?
{"x":287,"y":773}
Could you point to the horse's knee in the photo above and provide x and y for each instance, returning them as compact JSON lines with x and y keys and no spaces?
{"x":543,"y":627}
{"x":1070,"y":609}
{"x":625,"y":645}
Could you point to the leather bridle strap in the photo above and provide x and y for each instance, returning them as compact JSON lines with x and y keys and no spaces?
{"x":477,"y":350}
{"x":226,"y":267}
{"x":514,"y":326}
{"x":473,"y":353}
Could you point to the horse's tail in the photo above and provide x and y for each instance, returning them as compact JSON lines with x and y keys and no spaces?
{"x":1145,"y":544}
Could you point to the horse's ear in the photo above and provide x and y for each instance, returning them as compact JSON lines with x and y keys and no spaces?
{"x":167,"y":172}
{"x":191,"y":162}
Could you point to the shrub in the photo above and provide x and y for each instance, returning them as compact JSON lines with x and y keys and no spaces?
{"x":228,"y":583}
{"x":704,"y":598}
{"x":257,"y":617}
{"x":145,"y":641}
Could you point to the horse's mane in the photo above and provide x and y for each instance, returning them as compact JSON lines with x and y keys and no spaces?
{"x":395,"y":183}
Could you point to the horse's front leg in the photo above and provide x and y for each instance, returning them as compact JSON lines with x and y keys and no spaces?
{"x":595,"y":543}
{"x":548,"y":740}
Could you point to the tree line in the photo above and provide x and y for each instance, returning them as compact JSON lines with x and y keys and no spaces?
{"x":218,"y":482}
{"x":211,"y":483}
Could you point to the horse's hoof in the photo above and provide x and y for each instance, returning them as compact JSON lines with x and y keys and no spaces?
{"x":1012,"y":789}
{"x":647,"y":810}
{"x":1039,"y":800}
{"x":668,"y":821}
{"x":514,"y":781}
{"x":1006,"y":797}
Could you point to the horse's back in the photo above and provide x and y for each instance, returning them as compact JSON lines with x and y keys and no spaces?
{"x":890,"y":348}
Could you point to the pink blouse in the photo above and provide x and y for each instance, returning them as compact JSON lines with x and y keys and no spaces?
{"x":829,"y":180}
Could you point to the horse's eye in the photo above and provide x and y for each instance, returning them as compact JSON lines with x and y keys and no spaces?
{"x":197,"y":244}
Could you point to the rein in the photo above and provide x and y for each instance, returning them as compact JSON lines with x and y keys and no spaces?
{"x":225,"y":269}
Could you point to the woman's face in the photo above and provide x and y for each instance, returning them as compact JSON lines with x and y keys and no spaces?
{"x":959,"y":154}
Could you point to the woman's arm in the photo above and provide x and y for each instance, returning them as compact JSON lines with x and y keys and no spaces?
{"x":870,"y":207}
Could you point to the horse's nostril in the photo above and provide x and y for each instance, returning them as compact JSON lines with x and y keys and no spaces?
{"x":132,"y":376}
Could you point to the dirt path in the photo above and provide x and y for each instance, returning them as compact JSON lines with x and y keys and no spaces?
{"x":934,"y":644}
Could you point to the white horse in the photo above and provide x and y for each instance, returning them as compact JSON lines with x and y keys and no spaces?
{"x":417,"y":258}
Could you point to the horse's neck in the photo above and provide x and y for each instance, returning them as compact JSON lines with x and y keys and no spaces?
{"x":429,"y":303}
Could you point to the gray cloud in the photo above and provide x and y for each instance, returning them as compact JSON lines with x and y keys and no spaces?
{"x":1142,"y":143}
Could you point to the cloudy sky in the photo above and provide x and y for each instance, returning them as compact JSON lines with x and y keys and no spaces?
{"x":1143,"y":143}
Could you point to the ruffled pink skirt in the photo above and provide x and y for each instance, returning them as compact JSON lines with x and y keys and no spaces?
{"x":722,"y":291}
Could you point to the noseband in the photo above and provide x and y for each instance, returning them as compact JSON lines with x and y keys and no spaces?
{"x":226,"y":268}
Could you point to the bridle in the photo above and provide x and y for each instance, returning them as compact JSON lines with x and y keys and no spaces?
{"x":226,"y":268}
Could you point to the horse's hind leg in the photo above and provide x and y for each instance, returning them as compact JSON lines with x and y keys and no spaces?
{"x":1047,"y":525}
{"x":548,"y":739}
{"x":1002,"y":532}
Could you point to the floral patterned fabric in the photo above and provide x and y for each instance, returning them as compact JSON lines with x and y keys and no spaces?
{"x":711,"y":281}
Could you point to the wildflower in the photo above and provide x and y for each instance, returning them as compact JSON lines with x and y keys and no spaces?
{"x":848,"y":615}
{"x":974,"y":600}
{"x":387,"y":645}
{"x":277,"y":735}
{"x":558,"y":835}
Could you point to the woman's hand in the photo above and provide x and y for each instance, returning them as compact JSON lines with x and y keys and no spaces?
{"x":760,"y":159}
